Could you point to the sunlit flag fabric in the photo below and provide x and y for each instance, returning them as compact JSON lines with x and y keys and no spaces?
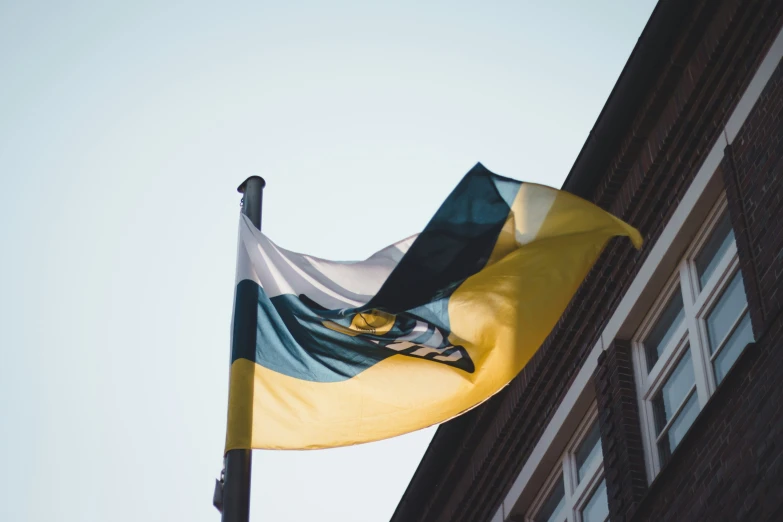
{"x":328,"y":353}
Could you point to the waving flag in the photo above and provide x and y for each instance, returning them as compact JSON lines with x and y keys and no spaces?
{"x":328,"y":353}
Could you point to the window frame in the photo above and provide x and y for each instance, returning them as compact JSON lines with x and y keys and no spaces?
{"x":576,"y":494}
{"x":691,"y":335}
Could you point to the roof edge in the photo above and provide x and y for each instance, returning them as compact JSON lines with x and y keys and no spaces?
{"x":636,"y":80}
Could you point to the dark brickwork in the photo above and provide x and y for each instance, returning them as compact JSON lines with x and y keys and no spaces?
{"x":621,"y":437}
{"x":730,"y":464}
{"x":654,"y":178}
{"x":735,"y":36}
{"x":731,"y":460}
{"x":747,"y":257}
{"x":712,"y":48}
{"x":753,"y":175}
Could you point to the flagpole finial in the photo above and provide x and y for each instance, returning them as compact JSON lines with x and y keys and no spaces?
{"x":243,"y":186}
{"x":252,"y":190}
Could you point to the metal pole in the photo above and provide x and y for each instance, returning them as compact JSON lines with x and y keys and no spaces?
{"x":253,"y":192}
{"x":236,"y":488}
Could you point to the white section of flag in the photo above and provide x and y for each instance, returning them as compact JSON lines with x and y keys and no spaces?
{"x":331,"y":284}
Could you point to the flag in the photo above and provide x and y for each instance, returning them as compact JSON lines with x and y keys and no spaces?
{"x":328,"y":353}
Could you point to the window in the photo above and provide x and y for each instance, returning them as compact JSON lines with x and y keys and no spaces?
{"x":576,"y":490}
{"x":691,"y":337}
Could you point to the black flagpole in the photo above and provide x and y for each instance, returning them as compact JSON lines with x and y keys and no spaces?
{"x":234,"y":499}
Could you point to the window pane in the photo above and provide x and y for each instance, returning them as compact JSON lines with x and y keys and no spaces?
{"x":679,"y":427}
{"x":734,"y":346}
{"x":589,"y":451}
{"x":664,"y":329}
{"x":673,"y":392}
{"x":597,"y":508}
{"x":713,"y":250}
{"x":554,"y":506}
{"x":726,"y":311}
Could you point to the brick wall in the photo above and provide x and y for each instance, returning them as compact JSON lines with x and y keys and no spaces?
{"x":711,"y":66}
{"x":754,"y":182}
{"x":621,"y":437}
{"x":712,"y":57}
{"x":729,"y":466}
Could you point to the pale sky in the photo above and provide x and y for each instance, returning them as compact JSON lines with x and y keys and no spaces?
{"x":125,"y":128}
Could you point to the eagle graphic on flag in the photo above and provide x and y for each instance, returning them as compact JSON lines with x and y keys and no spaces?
{"x":402,"y":334}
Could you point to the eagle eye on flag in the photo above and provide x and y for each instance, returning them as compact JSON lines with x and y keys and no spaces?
{"x":328,"y":353}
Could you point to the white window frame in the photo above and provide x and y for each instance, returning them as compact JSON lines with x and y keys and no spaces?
{"x":577,"y":494}
{"x":691,"y":334}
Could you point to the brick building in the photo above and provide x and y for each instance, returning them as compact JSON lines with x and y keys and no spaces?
{"x":658,"y":395}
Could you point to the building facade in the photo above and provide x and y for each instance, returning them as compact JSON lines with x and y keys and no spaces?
{"x":657,"y":396}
